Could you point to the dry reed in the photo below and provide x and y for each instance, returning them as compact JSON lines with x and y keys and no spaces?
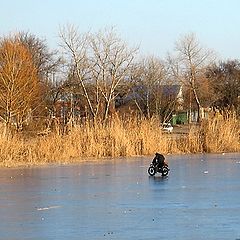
{"x":119,"y":137}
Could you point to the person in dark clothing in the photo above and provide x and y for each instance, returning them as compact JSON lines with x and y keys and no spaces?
{"x":159,"y":160}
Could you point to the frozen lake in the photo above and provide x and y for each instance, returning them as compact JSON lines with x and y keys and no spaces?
{"x":118,"y":200}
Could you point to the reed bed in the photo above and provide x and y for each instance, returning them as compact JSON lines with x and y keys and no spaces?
{"x":220,"y":135}
{"x":119,"y":138}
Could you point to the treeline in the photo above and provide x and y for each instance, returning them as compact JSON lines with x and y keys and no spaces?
{"x":93,"y":75}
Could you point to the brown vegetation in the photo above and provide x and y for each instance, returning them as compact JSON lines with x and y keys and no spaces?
{"x":118,"y":138}
{"x":45,"y":100}
{"x":19,"y":85}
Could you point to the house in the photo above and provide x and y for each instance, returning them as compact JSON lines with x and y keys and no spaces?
{"x":162,"y":99}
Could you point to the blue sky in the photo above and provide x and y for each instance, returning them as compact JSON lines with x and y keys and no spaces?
{"x":155,"y":25}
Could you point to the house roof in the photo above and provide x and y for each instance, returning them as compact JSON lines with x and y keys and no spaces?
{"x":171,"y":89}
{"x":139,"y":91}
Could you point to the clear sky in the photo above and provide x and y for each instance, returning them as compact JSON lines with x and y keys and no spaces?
{"x":155,"y":25}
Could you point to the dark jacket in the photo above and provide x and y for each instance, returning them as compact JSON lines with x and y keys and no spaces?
{"x":158,"y":160}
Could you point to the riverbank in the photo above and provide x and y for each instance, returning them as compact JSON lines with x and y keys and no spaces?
{"x":118,"y":138}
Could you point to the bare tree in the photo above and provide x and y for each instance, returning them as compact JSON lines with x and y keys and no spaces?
{"x":190,"y":65}
{"x":225,"y":78}
{"x":48,"y":65}
{"x":76,"y":47}
{"x":111,"y":62}
{"x":19,"y":85}
{"x":46,"y":61}
{"x":100,"y":62}
{"x":148,"y":75}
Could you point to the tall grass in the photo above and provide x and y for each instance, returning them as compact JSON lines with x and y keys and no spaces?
{"x":213,"y":136}
{"x":221,"y":135}
{"x":119,"y":137}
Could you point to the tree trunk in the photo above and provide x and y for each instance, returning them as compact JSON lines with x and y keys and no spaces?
{"x":198,"y":105}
